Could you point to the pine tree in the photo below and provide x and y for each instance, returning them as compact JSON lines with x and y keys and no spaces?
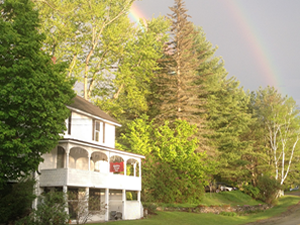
{"x":176,"y":88}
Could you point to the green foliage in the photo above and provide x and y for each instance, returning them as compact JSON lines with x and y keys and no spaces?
{"x":51,"y":210}
{"x":172,"y":170}
{"x":125,"y":96}
{"x":33,"y":94}
{"x":176,"y":81}
{"x":114,"y":58}
{"x":252,"y":191}
{"x":228,"y":118}
{"x":151,"y":207}
{"x":279,"y":119}
{"x":269,"y":188}
{"x":138,"y":136}
{"x":88,"y":43}
{"x":16,"y":200}
{"x":82,"y":212}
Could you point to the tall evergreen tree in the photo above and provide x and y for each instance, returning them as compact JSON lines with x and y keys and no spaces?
{"x":176,"y":89}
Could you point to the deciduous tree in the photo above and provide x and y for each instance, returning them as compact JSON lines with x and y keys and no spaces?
{"x":281,"y":121}
{"x":173,"y":171}
{"x":86,"y":34}
{"x":33,"y":92}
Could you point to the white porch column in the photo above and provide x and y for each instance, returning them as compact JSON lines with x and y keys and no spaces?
{"x":36,"y":189}
{"x":107,"y":204}
{"x":140,"y":168}
{"x":89,"y":160}
{"x":65,"y":190}
{"x":140,"y":204}
{"x":108,"y":160}
{"x":67,"y":163}
{"x":124,"y":204}
{"x":67,"y":149}
{"x":87,"y":194}
{"x":134,"y":169}
{"x":125,"y":168}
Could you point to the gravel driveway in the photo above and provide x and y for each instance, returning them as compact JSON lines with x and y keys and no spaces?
{"x":290,"y":217}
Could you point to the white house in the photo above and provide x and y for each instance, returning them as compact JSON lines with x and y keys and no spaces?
{"x":86,"y":160}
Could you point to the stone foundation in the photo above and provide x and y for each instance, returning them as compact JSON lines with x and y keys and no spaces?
{"x":217,"y":209}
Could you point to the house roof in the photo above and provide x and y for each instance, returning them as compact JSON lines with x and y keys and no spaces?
{"x":85,"y":106}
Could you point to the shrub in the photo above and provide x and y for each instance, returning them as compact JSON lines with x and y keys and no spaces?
{"x":252,"y":191}
{"x":51,"y":210}
{"x":269,"y":188}
{"x":16,"y":200}
{"x":83,"y":206}
{"x":151,"y":207}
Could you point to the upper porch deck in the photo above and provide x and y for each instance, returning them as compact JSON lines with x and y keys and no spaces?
{"x":82,"y":164}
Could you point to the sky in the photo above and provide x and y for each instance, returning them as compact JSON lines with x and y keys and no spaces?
{"x":259,"y":40}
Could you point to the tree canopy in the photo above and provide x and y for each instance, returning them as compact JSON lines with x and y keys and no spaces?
{"x":160,"y":79}
{"x":33,"y":95}
{"x":279,"y":117}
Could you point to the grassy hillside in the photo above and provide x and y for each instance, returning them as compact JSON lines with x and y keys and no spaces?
{"x":232,"y":198}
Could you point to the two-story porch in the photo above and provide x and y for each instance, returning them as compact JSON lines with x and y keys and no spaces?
{"x":111,"y":174}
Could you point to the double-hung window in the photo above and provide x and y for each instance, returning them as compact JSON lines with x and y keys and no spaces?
{"x":99,"y":131}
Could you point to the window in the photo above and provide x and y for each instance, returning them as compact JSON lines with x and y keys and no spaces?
{"x":99,"y":132}
{"x":95,"y":199}
{"x":73,"y":202}
{"x":69,"y":124}
{"x":131,"y":195}
{"x":60,"y":157}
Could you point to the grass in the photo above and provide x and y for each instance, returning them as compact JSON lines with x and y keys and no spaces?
{"x":232,"y":198}
{"x":182,"y":218}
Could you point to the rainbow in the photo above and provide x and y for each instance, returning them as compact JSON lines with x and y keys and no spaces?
{"x":256,"y":44}
{"x":135,"y":14}
{"x":250,"y":33}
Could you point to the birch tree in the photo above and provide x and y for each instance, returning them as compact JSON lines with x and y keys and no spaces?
{"x":280,"y":117}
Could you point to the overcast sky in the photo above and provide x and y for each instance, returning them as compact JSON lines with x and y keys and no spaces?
{"x":259,"y":40}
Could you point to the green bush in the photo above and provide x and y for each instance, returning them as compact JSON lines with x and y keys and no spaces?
{"x":269,"y":188}
{"x":50,"y":211}
{"x":252,"y":191}
{"x":151,"y":207}
{"x":16,"y":200}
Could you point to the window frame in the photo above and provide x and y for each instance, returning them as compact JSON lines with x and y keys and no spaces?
{"x":99,"y":133}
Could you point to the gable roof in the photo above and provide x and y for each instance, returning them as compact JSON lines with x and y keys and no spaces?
{"x":85,"y":106}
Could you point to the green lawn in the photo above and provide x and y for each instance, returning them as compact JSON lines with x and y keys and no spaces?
{"x":181,"y":218}
{"x":232,"y":198}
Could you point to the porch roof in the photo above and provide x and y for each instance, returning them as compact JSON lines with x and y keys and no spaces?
{"x":94,"y":145}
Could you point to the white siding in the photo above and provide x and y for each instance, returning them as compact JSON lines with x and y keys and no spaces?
{"x":81,"y":127}
{"x":109,"y":135}
{"x":49,"y":160}
{"x":83,"y":178}
{"x":133,"y":210}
